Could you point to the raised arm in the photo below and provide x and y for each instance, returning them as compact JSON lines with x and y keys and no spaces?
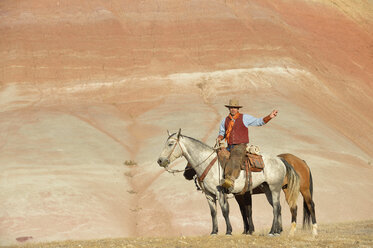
{"x":269,"y":117}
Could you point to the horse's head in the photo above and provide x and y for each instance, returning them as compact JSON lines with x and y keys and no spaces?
{"x":171,"y":150}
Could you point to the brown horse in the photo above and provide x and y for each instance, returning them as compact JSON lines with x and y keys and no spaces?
{"x":306,"y":188}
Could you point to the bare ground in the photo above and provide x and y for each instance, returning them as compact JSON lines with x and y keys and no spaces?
{"x":343,"y":235}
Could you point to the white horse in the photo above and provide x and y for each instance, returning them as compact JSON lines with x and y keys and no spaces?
{"x":202,"y":158}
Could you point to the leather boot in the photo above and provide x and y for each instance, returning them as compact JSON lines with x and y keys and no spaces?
{"x":228,"y":184}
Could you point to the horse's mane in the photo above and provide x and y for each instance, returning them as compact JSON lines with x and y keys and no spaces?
{"x":200,"y":142}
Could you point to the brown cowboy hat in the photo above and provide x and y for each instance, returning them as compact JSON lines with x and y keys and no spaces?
{"x":233,"y":103}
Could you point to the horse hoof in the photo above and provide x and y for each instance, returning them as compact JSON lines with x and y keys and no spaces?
{"x":314,"y":230}
{"x":230,"y":234}
{"x":273,"y":234}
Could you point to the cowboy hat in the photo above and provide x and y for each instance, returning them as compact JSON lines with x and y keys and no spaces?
{"x":233,"y":103}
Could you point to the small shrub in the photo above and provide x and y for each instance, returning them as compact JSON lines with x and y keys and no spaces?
{"x":130,"y":163}
{"x":131,"y":191}
{"x":128,"y":174}
{"x":135,"y":209}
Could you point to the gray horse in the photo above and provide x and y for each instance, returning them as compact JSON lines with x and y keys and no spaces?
{"x":202,"y":158}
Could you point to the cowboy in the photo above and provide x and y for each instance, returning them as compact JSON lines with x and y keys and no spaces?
{"x":234,"y":129}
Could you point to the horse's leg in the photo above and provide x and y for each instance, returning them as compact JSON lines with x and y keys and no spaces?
{"x":240,"y":201}
{"x":245,"y":203}
{"x":313,"y":212}
{"x":293,"y":211}
{"x":309,"y":211}
{"x":212,"y":204}
{"x":249,"y":209}
{"x":277,"y":219}
{"x":224,"y":205}
{"x":313,"y":216}
{"x":309,"y":206}
{"x":273,"y":196}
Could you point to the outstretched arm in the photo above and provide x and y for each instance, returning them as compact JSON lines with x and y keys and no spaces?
{"x":269,"y":117}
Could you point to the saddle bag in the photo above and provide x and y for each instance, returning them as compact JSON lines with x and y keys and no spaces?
{"x":255,"y":162}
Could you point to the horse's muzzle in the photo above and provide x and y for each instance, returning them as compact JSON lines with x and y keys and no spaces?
{"x":163,"y":162}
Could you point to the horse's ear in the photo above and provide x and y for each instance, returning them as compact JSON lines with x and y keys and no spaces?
{"x":168,"y":132}
{"x":179,"y":133}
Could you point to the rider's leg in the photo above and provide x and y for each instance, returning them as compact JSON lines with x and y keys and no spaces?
{"x":233,"y":168}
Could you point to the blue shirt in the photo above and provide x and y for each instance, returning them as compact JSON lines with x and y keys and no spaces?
{"x":248,"y":120}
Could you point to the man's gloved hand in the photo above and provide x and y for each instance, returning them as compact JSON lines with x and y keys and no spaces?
{"x":218,"y":143}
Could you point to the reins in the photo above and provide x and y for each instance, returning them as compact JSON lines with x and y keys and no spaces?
{"x":172,"y":171}
{"x":196,"y":178}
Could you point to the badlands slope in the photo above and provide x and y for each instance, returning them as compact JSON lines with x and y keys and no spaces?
{"x":88,"y":85}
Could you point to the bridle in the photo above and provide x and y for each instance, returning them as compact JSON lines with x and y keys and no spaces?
{"x":169,"y":156}
{"x":173,"y":149}
{"x":182,"y":152}
{"x":207,"y":169}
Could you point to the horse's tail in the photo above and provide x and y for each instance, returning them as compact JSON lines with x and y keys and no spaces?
{"x":293,"y":184}
{"x":306,"y":211}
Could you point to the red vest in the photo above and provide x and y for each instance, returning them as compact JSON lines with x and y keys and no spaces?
{"x":240,"y":133}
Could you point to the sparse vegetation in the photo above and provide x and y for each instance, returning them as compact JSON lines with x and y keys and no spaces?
{"x":128,"y":174}
{"x":135,"y":209}
{"x":130,"y":163}
{"x":201,"y":86}
{"x":346,"y":235}
{"x":131,"y":191}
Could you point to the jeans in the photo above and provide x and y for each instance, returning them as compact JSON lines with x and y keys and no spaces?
{"x":230,"y":147}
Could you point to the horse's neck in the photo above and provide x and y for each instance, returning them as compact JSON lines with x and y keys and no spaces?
{"x":198,"y":155}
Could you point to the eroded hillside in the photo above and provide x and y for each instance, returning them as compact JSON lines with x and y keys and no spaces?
{"x":87,"y":86}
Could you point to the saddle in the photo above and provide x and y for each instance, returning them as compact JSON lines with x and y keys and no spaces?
{"x":253,"y":159}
